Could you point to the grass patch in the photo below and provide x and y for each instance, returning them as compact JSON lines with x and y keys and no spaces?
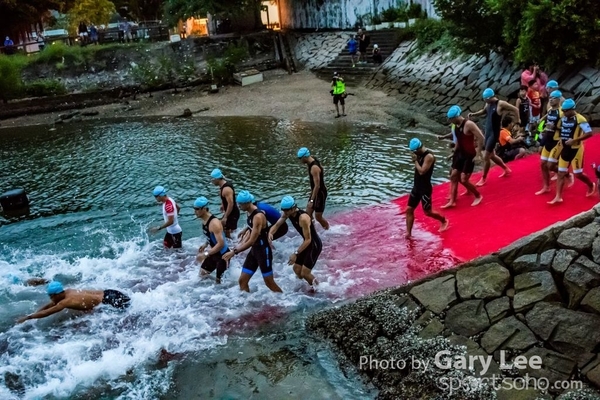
{"x":44,"y":87}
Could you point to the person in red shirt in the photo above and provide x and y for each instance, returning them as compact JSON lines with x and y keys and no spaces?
{"x":535,"y":102}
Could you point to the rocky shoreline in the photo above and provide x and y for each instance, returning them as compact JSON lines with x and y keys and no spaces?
{"x":537,"y":300}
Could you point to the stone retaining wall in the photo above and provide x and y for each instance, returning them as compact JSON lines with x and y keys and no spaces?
{"x":434,"y":82}
{"x":317,"y":50}
{"x":537,"y":297}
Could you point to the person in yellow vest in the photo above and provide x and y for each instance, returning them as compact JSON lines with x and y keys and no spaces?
{"x":573,"y":129}
{"x":338,"y":90}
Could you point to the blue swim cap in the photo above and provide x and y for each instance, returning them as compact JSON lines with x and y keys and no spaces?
{"x":159,"y":191}
{"x":557,"y":94}
{"x":488,"y":94}
{"x":54,"y":287}
{"x":415,"y":144}
{"x":453,"y":112}
{"x":287,"y":202}
{"x":552,"y":85}
{"x":303,"y":152}
{"x":568,"y":104}
{"x":244,"y":197}
{"x":216,"y":174}
{"x":201,"y":202}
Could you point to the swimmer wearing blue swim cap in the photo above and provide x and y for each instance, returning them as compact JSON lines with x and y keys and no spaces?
{"x":77,"y":299}
{"x":229,"y":207}
{"x":260,"y":255}
{"x":422,"y":190}
{"x":305,"y":257}
{"x":170,"y":210}
{"x":210,"y":254}
{"x":318,"y":190}
{"x":494,"y":110}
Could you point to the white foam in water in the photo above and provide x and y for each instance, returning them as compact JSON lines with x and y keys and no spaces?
{"x":171,"y":309}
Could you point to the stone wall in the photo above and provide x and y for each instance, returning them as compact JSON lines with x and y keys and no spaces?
{"x":317,"y":50}
{"x":537,"y":297}
{"x":434,"y":82}
{"x":337,"y":14}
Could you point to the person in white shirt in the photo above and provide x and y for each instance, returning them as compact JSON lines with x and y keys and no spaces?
{"x":170,"y":210}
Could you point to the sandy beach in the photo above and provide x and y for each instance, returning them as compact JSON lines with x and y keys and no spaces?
{"x":300,"y":96}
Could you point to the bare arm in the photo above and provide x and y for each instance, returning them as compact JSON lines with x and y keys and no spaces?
{"x":507,"y":107}
{"x":427,"y":163}
{"x":314,"y":171}
{"x":275,"y":227}
{"x":472,"y":128}
{"x":480,"y":112}
{"x":178,"y":208}
{"x":258,"y":222}
{"x":46,"y":311}
{"x":228,"y":194}
{"x":170,"y":220}
{"x":305,"y":221}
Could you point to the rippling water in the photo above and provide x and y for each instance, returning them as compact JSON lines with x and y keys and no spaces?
{"x":90,"y":187}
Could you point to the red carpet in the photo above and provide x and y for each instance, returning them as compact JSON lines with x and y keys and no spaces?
{"x":509,"y":210}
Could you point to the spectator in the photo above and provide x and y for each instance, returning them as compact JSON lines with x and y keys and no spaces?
{"x":93,"y":34}
{"x":9,"y":46}
{"x":363,"y":43}
{"x":83,"y":33}
{"x":377,"y":57}
{"x":352,"y":47}
{"x":40,"y":40}
{"x":338,"y":91}
{"x":510,"y":148}
{"x":523,"y":104}
{"x":535,"y":104}
{"x":533,"y":72}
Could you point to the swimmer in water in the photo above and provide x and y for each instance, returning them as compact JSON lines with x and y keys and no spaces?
{"x":76,"y":299}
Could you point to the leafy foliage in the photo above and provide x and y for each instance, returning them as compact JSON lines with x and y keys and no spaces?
{"x":90,"y":11}
{"x":183,"y":9}
{"x":222,"y":69}
{"x":45,"y":87}
{"x":10,"y":78}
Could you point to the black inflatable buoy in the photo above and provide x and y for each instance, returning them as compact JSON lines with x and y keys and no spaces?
{"x":14,"y":202}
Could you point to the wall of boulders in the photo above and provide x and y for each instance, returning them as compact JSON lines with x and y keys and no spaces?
{"x":317,"y":50}
{"x":537,"y":298}
{"x":434,"y":82}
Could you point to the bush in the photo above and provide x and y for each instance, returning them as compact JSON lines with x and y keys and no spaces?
{"x":433,"y":36}
{"x":222,"y":69}
{"x":45,"y":87}
{"x":390,"y":15}
{"x":10,"y":77}
{"x":415,"y":11}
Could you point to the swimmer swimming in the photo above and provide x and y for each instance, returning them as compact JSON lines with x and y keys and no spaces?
{"x":76,"y":299}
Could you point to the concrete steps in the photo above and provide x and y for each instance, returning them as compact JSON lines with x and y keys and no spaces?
{"x":387,"y":40}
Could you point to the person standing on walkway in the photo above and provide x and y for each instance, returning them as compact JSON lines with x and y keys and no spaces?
{"x":422,"y":189}
{"x":212,"y":258}
{"x":318,"y":190}
{"x":573,"y":129}
{"x":170,"y":210}
{"x":338,"y":90}
{"x":230,"y":210}
{"x":304,"y":259}
{"x":494,"y":109}
{"x":352,"y":49}
{"x":468,"y":139}
{"x":260,"y":255}
{"x":363,"y":44}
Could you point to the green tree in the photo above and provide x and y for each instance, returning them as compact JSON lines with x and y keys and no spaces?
{"x":10,"y":78}
{"x":184,"y":9}
{"x":558,"y":32}
{"x":90,"y":11}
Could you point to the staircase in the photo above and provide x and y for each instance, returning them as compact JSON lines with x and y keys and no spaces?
{"x":387,"y":40}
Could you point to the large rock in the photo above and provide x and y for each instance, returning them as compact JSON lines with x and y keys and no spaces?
{"x":498,"y":309}
{"x":533,"y":287}
{"x":577,"y":239}
{"x":591,"y":301}
{"x":570,"y":332}
{"x":482,"y":282}
{"x":596,"y":250}
{"x":534,"y":243}
{"x":562,"y":260}
{"x":436,"y":294}
{"x":580,"y":277}
{"x":467,"y":318}
{"x":546,"y":259}
{"x":508,"y":334}
{"x":526,"y":263}
{"x":555,"y":366}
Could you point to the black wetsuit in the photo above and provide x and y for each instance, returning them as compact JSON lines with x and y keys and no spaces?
{"x":307,"y":257}
{"x":319,"y":201}
{"x":492,"y":126}
{"x":466,"y":152}
{"x":547,"y":139}
{"x":115,"y":299}
{"x":422,"y":188}
{"x":214,"y":261}
{"x":232,"y":219}
{"x":260,"y":255}
{"x":524,"y":111}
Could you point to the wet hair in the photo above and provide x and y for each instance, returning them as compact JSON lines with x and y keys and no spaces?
{"x":532,"y":82}
{"x":523,"y":87}
{"x":506,"y":121}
